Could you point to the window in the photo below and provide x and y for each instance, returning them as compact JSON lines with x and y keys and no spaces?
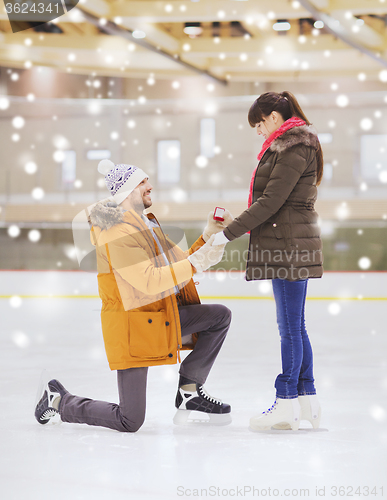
{"x":168,"y":162}
{"x":98,"y":154}
{"x":328,"y":172}
{"x":69,"y":168}
{"x":207,"y":137}
{"x":373,"y":157}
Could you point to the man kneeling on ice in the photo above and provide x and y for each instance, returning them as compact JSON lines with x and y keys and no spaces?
{"x":150,"y":310}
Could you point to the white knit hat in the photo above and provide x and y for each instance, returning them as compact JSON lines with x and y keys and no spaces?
{"x":121,"y":179}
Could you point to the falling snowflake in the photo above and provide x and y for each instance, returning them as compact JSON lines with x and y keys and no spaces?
{"x":13,"y":231}
{"x":265,"y":287}
{"x":30,"y":167}
{"x":4,"y":103}
{"x":15,"y":301}
{"x":378,"y":413}
{"x":178,"y":195}
{"x":201,"y":161}
{"x":364,"y":263}
{"x":342,"y":211}
{"x":34,"y":235}
{"x":37,"y":193}
{"x":334,"y":308}
{"x":18,"y":122}
{"x":366,"y":124}
{"x":383,"y":176}
{"x":20,"y":339}
{"x":342,"y":101}
{"x":383,"y":75}
{"x":60,"y":142}
{"x":59,"y":156}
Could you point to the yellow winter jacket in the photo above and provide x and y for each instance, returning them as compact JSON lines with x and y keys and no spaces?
{"x":140,"y":317}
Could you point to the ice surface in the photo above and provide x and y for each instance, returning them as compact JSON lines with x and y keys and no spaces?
{"x":163,"y":461}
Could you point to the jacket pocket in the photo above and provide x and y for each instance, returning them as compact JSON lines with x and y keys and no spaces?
{"x":148,"y":337}
{"x":280,"y":233}
{"x":277,"y":231}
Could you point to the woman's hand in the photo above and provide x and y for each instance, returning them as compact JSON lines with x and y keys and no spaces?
{"x":220,"y":239}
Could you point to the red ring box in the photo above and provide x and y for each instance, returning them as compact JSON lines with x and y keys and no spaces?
{"x":218,"y":213}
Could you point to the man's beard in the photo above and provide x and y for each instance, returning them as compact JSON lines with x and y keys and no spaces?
{"x":142,"y":205}
{"x":147,"y":204}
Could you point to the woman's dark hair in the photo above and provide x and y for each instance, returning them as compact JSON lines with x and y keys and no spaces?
{"x":287,"y":106}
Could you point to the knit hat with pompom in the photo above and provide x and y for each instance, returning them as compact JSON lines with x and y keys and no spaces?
{"x":121,"y":179}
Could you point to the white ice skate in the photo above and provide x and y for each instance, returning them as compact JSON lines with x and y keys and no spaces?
{"x":199,"y":407}
{"x":283,"y":411}
{"x":310,"y":411}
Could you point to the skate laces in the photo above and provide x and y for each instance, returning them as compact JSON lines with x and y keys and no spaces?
{"x":205,"y":395}
{"x":272,"y":407}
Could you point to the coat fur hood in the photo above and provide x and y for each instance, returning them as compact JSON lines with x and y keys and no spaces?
{"x":106,"y":214}
{"x":305,"y":135}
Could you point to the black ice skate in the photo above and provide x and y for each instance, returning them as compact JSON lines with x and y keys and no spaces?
{"x":44,"y":411}
{"x":199,"y":407}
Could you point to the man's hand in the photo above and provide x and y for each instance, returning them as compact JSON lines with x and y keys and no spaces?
{"x":207,"y":256}
{"x":214,"y":226}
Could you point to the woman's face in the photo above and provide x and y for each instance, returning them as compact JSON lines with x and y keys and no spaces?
{"x":269,"y":124}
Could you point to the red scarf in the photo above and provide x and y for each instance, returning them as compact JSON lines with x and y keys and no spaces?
{"x":292,"y":122}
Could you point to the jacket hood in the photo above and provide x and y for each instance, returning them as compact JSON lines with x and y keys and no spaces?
{"x":305,"y":135}
{"x":106,"y":214}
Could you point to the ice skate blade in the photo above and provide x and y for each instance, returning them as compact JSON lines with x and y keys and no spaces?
{"x":192,"y":417}
{"x":273,"y":429}
{"x":41,"y":386}
{"x":282,"y":426}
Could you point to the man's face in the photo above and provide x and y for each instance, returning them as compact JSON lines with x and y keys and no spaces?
{"x":140,"y":197}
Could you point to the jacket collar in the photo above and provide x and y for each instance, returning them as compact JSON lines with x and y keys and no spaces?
{"x":305,"y":135}
{"x":106,"y":215}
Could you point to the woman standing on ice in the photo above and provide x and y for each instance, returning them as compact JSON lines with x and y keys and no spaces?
{"x":285,"y":245}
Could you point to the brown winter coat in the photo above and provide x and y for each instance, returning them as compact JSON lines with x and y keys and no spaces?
{"x":140,"y":317}
{"x":284,"y":233}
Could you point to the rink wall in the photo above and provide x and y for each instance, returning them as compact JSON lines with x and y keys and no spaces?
{"x":211,"y":285}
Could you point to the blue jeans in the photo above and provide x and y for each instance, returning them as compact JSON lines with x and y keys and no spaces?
{"x":296,"y":378}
